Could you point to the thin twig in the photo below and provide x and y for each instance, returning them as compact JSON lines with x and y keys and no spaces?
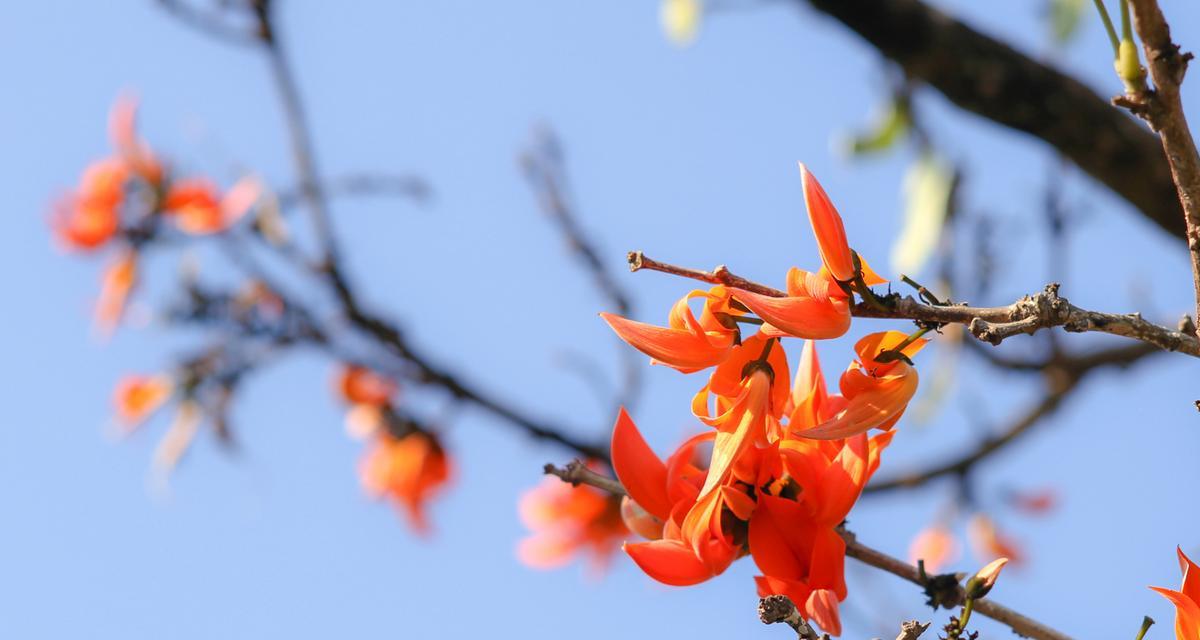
{"x":545,"y":170}
{"x":363,"y":184}
{"x":330,"y":268}
{"x":1042,"y":310}
{"x":208,"y":23}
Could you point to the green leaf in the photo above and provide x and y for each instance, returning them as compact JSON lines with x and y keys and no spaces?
{"x":888,"y":128}
{"x":1065,"y":19}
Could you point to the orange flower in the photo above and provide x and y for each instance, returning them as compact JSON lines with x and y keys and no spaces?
{"x":875,"y":393}
{"x":198,"y":208}
{"x":134,"y":152}
{"x":666,"y":492}
{"x":1186,"y":600}
{"x":686,"y":344}
{"x":793,"y":535}
{"x":988,"y":543}
{"x":827,"y":227}
{"x":115,"y":285}
{"x":566,"y":521}
{"x":91,"y":216}
{"x":408,"y":470}
{"x":936,"y":546}
{"x":136,"y":397}
{"x":359,"y":385}
{"x":815,"y":307}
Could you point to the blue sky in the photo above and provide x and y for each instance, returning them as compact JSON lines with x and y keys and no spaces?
{"x":688,"y":154}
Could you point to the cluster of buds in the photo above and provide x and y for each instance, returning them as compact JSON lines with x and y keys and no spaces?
{"x":788,"y":458}
{"x":405,"y":462}
{"x":122,"y":201}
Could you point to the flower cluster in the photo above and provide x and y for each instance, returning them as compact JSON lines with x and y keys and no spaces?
{"x":788,"y":458}
{"x":404,"y":462}
{"x":122,"y":200}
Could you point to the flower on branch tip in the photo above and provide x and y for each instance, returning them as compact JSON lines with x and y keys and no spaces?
{"x":827,"y":227}
{"x":936,"y":546}
{"x":1186,"y":599}
{"x":199,"y":208}
{"x":358,"y":385}
{"x":687,"y":344}
{"x":566,"y":521}
{"x":408,"y":471}
{"x":90,"y":216}
{"x":982,"y":582}
{"x":137,"y":397}
{"x":131,"y":149}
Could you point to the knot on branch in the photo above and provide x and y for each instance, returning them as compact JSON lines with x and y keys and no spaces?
{"x":1030,"y":313}
{"x":943,"y":591}
{"x":780,"y":608}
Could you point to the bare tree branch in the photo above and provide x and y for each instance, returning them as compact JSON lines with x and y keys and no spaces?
{"x":1163,"y":109}
{"x":1028,"y":315}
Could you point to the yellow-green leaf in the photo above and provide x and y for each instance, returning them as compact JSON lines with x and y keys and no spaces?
{"x":927,"y":190}
{"x":681,"y":20}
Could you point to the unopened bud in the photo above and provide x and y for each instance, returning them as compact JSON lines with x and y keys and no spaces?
{"x":1129,"y":68}
{"x":982,"y":582}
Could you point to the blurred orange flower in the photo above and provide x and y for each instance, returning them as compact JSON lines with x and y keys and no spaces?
{"x":356,"y":384}
{"x":131,"y":149}
{"x":1186,"y":599}
{"x":91,"y":216}
{"x":988,"y":543}
{"x":116,"y":283}
{"x":136,"y":397}
{"x":566,"y":521}
{"x":408,"y":470}
{"x":936,"y":546}
{"x":198,"y":207}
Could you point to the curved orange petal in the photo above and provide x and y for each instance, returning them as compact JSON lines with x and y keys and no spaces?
{"x":827,"y":227}
{"x":670,"y":562}
{"x":800,"y":316}
{"x":1187,"y":613}
{"x":643,"y":473}
{"x":1191,"y":575}
{"x":116,"y":284}
{"x":679,"y":349}
{"x":822,"y":607}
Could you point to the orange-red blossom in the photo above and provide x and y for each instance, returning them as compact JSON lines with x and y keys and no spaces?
{"x":768,"y":490}
{"x":407,"y":470}
{"x":1186,"y":599}
{"x":566,"y":521}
